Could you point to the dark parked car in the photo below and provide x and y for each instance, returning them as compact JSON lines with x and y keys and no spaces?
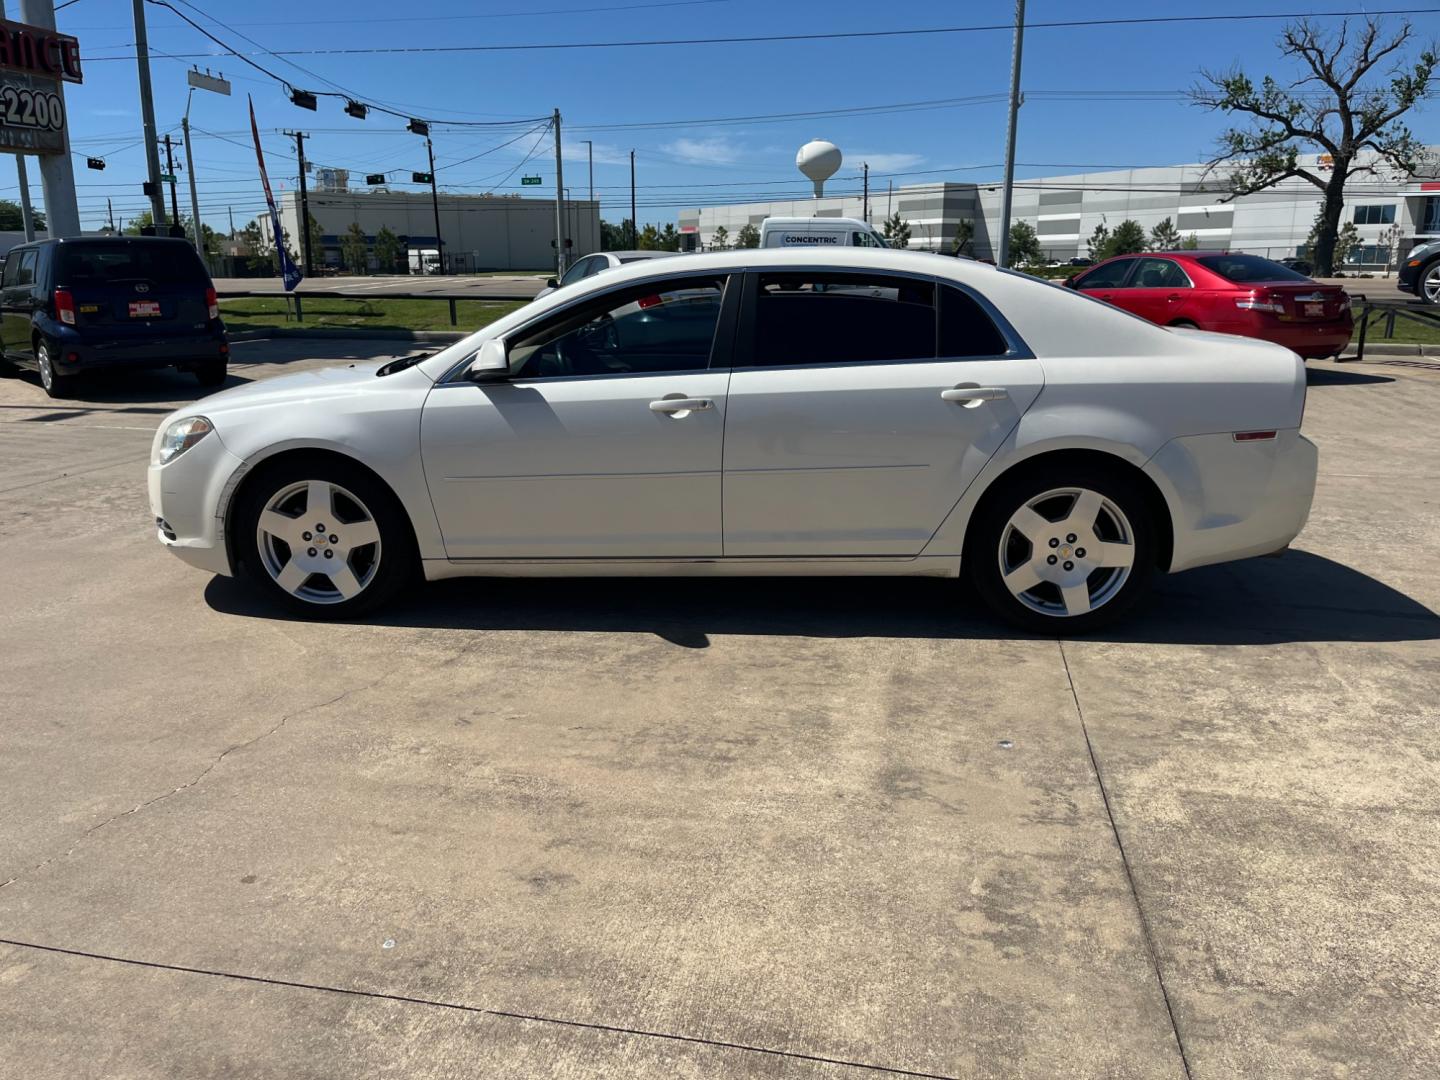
{"x":1420,"y":272}
{"x":91,"y":303}
{"x":1299,"y":265}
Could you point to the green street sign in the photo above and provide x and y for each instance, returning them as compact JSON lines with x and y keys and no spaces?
{"x":167,"y":177}
{"x":530,"y":181}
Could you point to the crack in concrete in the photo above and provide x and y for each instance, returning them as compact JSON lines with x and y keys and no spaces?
{"x":1145,"y":931}
{"x":193,"y":780}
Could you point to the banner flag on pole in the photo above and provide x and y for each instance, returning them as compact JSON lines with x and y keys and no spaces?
{"x":289,"y":272}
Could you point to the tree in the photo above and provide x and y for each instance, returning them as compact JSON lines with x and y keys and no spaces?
{"x":354,"y":251}
{"x":747,"y":237}
{"x":720,"y":239}
{"x":615,"y":237}
{"x":1024,"y":244}
{"x":670,"y":237}
{"x":387,"y":250}
{"x":964,"y":238}
{"x":12,"y":220}
{"x":144,"y":219}
{"x":1346,"y":241}
{"x":1164,"y":237}
{"x":649,"y":239}
{"x":1190,"y":243}
{"x":1127,"y":239}
{"x":1099,"y":242}
{"x":896,"y":231}
{"x":1340,"y":106}
{"x":317,"y":247}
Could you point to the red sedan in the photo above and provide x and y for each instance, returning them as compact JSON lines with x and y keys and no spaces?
{"x":1226,"y":293}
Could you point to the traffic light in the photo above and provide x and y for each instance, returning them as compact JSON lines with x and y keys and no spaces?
{"x":95,"y":163}
{"x":148,"y":188}
{"x":375,"y":178}
{"x":419,"y":127}
{"x":423,"y":177}
{"x":304,"y":99}
{"x":355,"y":109}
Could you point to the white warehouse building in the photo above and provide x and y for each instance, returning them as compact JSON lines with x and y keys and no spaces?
{"x":1064,"y":211}
{"x":480,"y":232}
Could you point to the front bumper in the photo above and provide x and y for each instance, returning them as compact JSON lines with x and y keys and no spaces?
{"x":1232,"y":500}
{"x":188,"y":496}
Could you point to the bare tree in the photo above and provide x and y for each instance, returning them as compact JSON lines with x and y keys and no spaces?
{"x":1326,"y":109}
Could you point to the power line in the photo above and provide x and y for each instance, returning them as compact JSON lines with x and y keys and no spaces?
{"x":839,"y":35}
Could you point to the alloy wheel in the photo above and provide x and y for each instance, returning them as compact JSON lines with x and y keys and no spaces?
{"x":47,"y":370}
{"x":1066,"y":552}
{"x":318,"y":542}
{"x":1431,"y":284}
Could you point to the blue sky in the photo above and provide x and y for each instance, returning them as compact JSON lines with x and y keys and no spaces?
{"x":692,"y":163}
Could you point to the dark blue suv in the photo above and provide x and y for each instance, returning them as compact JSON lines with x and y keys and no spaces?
{"x":88,"y":303}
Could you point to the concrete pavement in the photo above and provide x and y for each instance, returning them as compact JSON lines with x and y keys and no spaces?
{"x":734,"y":829}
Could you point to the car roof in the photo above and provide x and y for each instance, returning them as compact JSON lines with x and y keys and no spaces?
{"x":648,"y":254}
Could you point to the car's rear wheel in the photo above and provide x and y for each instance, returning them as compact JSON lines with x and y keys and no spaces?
{"x":55,"y":384}
{"x":1063,"y":551}
{"x":211,"y":372}
{"x":1429,"y":289}
{"x":324,"y":539}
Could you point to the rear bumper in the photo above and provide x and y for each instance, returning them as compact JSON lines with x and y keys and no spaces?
{"x":1231,"y":500}
{"x":1310,"y":340}
{"x":76,"y":353}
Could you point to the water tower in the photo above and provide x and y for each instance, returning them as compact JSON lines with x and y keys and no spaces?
{"x":819,"y":160}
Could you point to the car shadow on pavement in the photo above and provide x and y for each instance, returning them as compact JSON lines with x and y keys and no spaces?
{"x":1330,"y":377}
{"x":135,"y":387}
{"x":1301,"y":597}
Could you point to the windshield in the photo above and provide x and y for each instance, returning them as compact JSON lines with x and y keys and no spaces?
{"x":163,"y":263}
{"x":1246,"y":268}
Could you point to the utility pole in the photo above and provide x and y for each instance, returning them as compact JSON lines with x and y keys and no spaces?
{"x":57,"y":175}
{"x":110,"y":213}
{"x":22,"y":177}
{"x":231,"y":210}
{"x":147,"y":117}
{"x":1009,"y":193}
{"x":590,"y":156}
{"x":435,"y":206}
{"x":865,"y":217}
{"x":634,"y":225}
{"x":559,"y":202}
{"x":299,"y":137}
{"x":170,"y":168}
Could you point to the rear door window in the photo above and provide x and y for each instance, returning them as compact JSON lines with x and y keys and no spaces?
{"x":966,"y":329}
{"x":110,"y":264}
{"x":25,"y":272}
{"x":840,"y":318}
{"x":1110,"y":276}
{"x":1159,"y":274}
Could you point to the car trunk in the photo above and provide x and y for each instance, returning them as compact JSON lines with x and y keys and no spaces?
{"x":1306,"y":301}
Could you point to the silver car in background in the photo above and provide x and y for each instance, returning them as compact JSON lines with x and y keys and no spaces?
{"x":598,"y":263}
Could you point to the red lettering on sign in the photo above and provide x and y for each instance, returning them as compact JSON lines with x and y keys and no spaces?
{"x":39,"y":51}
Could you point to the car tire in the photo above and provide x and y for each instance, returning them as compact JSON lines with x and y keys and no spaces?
{"x":371,"y":549}
{"x":211,"y":372}
{"x":55,"y":384}
{"x":1063,"y":550}
{"x":1427,"y":282}
{"x":1185,"y":324}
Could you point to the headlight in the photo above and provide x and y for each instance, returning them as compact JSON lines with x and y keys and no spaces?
{"x":181,"y":436}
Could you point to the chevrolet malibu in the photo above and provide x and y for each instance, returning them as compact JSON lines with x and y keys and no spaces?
{"x":761,"y":412}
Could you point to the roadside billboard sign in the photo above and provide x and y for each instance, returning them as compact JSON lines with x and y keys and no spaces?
{"x":33,"y":62}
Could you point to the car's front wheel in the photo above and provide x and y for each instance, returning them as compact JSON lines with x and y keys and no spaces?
{"x":1429,"y":283}
{"x":323,"y":538}
{"x":1063,"y":551}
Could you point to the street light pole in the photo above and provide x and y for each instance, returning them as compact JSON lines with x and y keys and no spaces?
{"x":190,"y":172}
{"x":634,"y":225}
{"x":170,"y":169}
{"x":1006,"y":198}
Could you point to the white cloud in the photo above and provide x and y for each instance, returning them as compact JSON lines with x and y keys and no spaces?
{"x":883,"y":162}
{"x":577,"y":152}
{"x":716,"y":150}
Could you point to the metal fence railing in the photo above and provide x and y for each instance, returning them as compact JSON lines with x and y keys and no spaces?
{"x":295,"y":302}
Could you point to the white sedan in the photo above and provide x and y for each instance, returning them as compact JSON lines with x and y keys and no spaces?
{"x":759,"y":412}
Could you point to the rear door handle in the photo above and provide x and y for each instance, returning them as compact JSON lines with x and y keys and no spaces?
{"x":684,"y":405}
{"x":975,"y":394}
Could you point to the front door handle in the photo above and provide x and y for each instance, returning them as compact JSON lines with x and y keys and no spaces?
{"x":975,"y":394}
{"x":681,"y":407}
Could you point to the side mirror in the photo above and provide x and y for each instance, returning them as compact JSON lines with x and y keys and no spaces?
{"x":551,"y":283}
{"x":490,"y":363}
{"x":1070,"y":281}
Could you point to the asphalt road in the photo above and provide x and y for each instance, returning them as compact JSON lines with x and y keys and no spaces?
{"x":796,"y":829}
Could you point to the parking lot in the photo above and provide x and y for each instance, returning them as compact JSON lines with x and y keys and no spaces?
{"x":781,"y":828}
